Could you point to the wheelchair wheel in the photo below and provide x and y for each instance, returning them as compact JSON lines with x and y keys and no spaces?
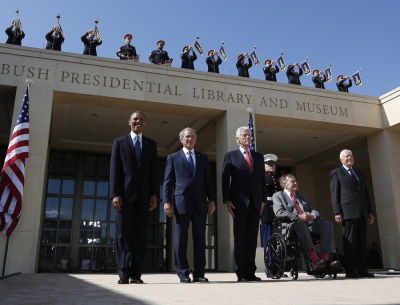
{"x":332,"y":276}
{"x":294,"y":274}
{"x":319,"y":276}
{"x":276,"y":252}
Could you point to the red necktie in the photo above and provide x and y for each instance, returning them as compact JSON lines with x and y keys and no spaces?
{"x":353,"y":176}
{"x":294,"y":199}
{"x":248,"y":160}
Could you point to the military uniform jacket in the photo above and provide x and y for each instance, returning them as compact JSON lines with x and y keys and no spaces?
{"x":127,"y":50}
{"x":90,"y":44}
{"x":272,"y":186}
{"x":158,"y":56}
{"x":14,"y":37}
{"x":54,"y":42}
{"x":187,"y":60}
{"x":344,"y":87}
{"x":319,"y":81}
{"x":270,"y":73}
{"x":213,"y":64}
{"x":243,"y":69}
{"x":294,"y":77}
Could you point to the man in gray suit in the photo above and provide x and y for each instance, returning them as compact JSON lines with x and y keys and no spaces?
{"x":296,"y":207}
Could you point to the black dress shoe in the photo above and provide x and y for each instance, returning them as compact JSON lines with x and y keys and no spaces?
{"x":253,"y":278}
{"x":320,"y":264}
{"x":367,"y":274}
{"x":123,"y":280}
{"x":186,"y":279}
{"x":200,"y":279}
{"x":335,"y":265}
{"x":136,"y":281}
{"x":242,"y":279}
{"x":353,"y":276}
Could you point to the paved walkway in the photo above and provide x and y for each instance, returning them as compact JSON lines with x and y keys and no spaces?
{"x":223,"y":289}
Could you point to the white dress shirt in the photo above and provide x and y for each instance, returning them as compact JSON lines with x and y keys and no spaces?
{"x":242,"y":150}
{"x":186,"y":152}
{"x":350,"y":169}
{"x":133,"y":136}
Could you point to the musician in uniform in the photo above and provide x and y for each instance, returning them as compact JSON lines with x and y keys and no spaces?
{"x":54,"y":39}
{"x":159,"y":56}
{"x":212,"y":63}
{"x":319,"y":81}
{"x":187,"y":60}
{"x":341,"y":85}
{"x":90,"y":43}
{"x":294,"y":77}
{"x":269,"y":71}
{"x":243,"y":68}
{"x":127,"y":51}
{"x":15,"y":34}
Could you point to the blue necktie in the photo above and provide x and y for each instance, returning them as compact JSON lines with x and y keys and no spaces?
{"x":138,"y":150}
{"x":190,"y":161}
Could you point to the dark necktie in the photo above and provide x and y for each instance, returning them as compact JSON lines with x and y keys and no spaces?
{"x":138,"y":150}
{"x":190,"y":161}
{"x":353,"y":176}
{"x":248,"y":160}
{"x":296,"y":204}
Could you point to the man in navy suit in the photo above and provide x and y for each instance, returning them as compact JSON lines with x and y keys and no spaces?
{"x":134,"y":189}
{"x":244,"y":193}
{"x":188,"y":173}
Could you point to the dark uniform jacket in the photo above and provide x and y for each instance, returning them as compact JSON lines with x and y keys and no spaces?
{"x":272,"y":186}
{"x":90,"y":44}
{"x":14,"y":37}
{"x":243,"y":69}
{"x":213,"y":64}
{"x":54,"y":42}
{"x":319,"y":81}
{"x":158,"y":56}
{"x":270,"y":73}
{"x":127,"y":50}
{"x":294,"y":77}
{"x":344,"y":87}
{"x":187,"y":60}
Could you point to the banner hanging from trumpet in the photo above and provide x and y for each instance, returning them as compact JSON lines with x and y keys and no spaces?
{"x":96,"y":30}
{"x":198,"y":47}
{"x":281,"y":62}
{"x":328,"y":73}
{"x":306,"y":67}
{"x":222,"y":50}
{"x":357,"y":78}
{"x":254,"y":57}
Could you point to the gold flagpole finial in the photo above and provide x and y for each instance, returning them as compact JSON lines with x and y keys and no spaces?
{"x":359,"y":69}
{"x":255,"y":47}
{"x":250,"y":110}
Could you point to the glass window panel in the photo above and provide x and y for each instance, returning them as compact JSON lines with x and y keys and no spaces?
{"x":89,"y":186}
{"x":64,"y":232}
{"x":52,"y":207}
{"x":84,"y":260}
{"x":47,"y":258}
{"x":151,"y":234}
{"x":111,"y":263}
{"x":69,"y":163}
{"x":210,"y":236}
{"x":161,"y":259}
{"x":112,"y":212}
{"x":54,"y":184}
{"x":90,"y":165}
{"x":111,"y":237}
{"x":56,"y":162}
{"x":148,"y":262}
{"x":162,"y":217}
{"x":98,"y":258}
{"x":49,"y":231}
{"x":62,"y":258}
{"x":66,"y":208}
{"x":211,"y":219}
{"x":210,"y":258}
{"x":86,"y":232}
{"x":102,"y":186}
{"x":161,"y":236}
{"x":103,"y":166}
{"x":101,"y":209}
{"x":99,"y":232}
{"x":68,"y":186}
{"x":87,"y":209}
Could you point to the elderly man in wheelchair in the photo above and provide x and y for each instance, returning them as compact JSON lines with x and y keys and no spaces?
{"x":297,"y":222}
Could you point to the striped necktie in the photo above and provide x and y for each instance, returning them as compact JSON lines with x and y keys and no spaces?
{"x":248,"y":160}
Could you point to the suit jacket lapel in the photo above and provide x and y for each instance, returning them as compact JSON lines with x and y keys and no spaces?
{"x":197,"y":156}
{"x":182,"y":154}
{"x":129,"y":144}
{"x":145,"y":149}
{"x":242,"y":160}
{"x":289,"y":201}
{"x":346,"y":173}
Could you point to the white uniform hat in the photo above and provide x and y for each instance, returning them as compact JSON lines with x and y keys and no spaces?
{"x":270,"y":158}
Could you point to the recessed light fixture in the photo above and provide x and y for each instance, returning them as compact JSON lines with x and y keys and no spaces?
{"x":164,"y":122}
{"x":284,"y":152}
{"x":315,"y":137}
{"x":94,"y":114}
{"x":260,"y":131}
{"x":88,"y":135}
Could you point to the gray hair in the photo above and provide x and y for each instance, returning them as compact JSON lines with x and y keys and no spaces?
{"x":283,"y":179}
{"x":239,"y":132}
{"x":343,"y":151}
{"x":182,"y":133}
{"x":137,"y":111}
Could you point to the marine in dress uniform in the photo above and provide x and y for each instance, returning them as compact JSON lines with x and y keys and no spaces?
{"x":54,"y":39}
{"x":15,"y":34}
{"x":341,"y":85}
{"x":319,"y":81}
{"x":294,"y":77}
{"x":127,"y":51}
{"x":90,"y":43}
{"x":187,"y":60}
{"x":159,"y":56}
{"x":212,"y":63}
{"x":270,"y":73}
{"x":243,"y":68}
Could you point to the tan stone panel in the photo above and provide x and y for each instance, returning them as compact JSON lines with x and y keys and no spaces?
{"x":388,"y":247}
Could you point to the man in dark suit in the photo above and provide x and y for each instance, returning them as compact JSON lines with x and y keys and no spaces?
{"x":90,"y":43}
{"x":341,"y":85}
{"x":319,"y":81}
{"x":243,"y":68}
{"x":15,"y":34}
{"x":188,"y":173}
{"x":289,"y":203}
{"x":270,"y":73}
{"x":294,"y":77}
{"x":352,"y":207}
{"x":159,"y":56}
{"x":243,"y":191}
{"x":54,"y":39}
{"x":187,"y":59}
{"x":134,"y":189}
{"x":212,"y":63}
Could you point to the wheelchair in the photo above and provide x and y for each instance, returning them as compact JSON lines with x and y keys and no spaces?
{"x":285,"y":247}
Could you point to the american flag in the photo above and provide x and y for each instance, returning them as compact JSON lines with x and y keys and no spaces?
{"x":13,"y":172}
{"x":253,"y":144}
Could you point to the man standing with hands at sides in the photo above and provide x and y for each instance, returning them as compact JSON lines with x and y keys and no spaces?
{"x":294,"y":77}
{"x":212,"y":63}
{"x":15,"y":34}
{"x":319,"y":81}
{"x":187,"y":60}
{"x":352,"y":207}
{"x":341,"y":85}
{"x":188,"y":174}
{"x":90,"y":43}
{"x":134,"y":189}
{"x":54,"y":39}
{"x":243,"y":191}
{"x":159,"y":56}
{"x":270,"y":73}
{"x":243,"y":68}
{"x":127,"y":52}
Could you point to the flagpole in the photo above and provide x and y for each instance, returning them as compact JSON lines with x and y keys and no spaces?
{"x":5,"y":258}
{"x":250,"y":110}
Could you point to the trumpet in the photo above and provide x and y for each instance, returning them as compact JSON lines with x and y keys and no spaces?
{"x":96,"y":29}
{"x":58,"y":27}
{"x":19,"y":21}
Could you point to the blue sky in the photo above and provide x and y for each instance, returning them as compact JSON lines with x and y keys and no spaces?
{"x":349,"y":34}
